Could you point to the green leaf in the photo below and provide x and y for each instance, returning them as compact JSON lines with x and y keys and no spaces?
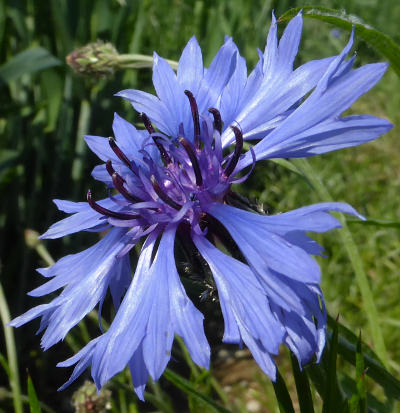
{"x":384,"y":44}
{"x":358,"y":402}
{"x":32,"y":397}
{"x":187,"y":387}
{"x":282,"y":395}
{"x":347,"y":348}
{"x":302,"y":386}
{"x":53,"y":88}
{"x":332,"y":397}
{"x":28,"y":61}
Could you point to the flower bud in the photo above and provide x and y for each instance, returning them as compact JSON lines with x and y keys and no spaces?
{"x":99,"y":59}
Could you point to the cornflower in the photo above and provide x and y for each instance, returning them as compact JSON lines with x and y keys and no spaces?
{"x":174,"y":180}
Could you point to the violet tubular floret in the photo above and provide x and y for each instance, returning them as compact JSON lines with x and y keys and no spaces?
{"x":175,"y":179}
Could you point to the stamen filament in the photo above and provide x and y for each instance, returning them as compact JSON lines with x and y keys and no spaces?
{"x":107,"y":212}
{"x":193,"y":159}
{"x":164,"y":154}
{"x":163,"y":196}
{"x":117,"y":150}
{"x":217,"y":119}
{"x":118,"y":182}
{"x":236,"y":154}
{"x":195,"y":116}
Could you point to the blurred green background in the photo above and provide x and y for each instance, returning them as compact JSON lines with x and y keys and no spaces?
{"x":46,"y":109}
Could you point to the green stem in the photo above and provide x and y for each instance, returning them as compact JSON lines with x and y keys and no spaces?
{"x":355,"y":259}
{"x":125,"y":60}
{"x":83,"y":125}
{"x":11,"y":353}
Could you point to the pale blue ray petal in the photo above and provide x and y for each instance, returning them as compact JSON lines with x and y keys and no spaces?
{"x":270,"y":102}
{"x":83,"y":358}
{"x":250,"y":309}
{"x":151,"y":105}
{"x":187,"y":320}
{"x":118,"y":344}
{"x":264,"y":249}
{"x":139,"y":372}
{"x":217,"y":76}
{"x":325,"y":103}
{"x":190,"y":68}
{"x":171,"y":94}
{"x":97,"y":270}
{"x":159,"y":333}
{"x":289,"y":45}
{"x":84,"y":219}
{"x":332,"y":135}
{"x":130,"y":140}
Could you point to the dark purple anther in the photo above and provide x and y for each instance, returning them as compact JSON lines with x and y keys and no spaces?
{"x":217,"y":119}
{"x":107,"y":212}
{"x":164,"y":154}
{"x":236,"y":154}
{"x":147,"y":123}
{"x":193,"y":159}
{"x":195,"y":116}
{"x":119,"y":186}
{"x":169,"y":201}
{"x":116,"y":149}
{"x":109,"y":168}
{"x":118,"y":182}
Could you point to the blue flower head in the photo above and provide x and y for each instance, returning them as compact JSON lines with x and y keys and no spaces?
{"x":174,"y":179}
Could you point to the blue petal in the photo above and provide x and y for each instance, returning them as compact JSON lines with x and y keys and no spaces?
{"x":132,"y":141}
{"x":139,"y":372}
{"x":84,"y":219}
{"x":332,"y":96}
{"x":332,"y":135}
{"x":232,"y":95}
{"x":149,"y":104}
{"x":250,"y":309}
{"x":117,"y":346}
{"x":315,"y":218}
{"x":159,"y":333}
{"x":187,"y":320}
{"x":171,"y":94}
{"x":83,"y":358}
{"x":289,"y":45}
{"x":270,"y":102}
{"x":190,"y":68}
{"x":247,"y":305}
{"x":265,"y":250}
{"x":217,"y":76}
{"x":86,"y":276}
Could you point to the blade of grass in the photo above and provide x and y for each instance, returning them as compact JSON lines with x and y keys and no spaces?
{"x":302,"y":386}
{"x":282,"y":395}
{"x":11,"y":353}
{"x":33,"y":400}
{"x":355,"y":259}
{"x":187,"y":387}
{"x":358,"y":402}
{"x":332,"y":400}
{"x":347,"y":348}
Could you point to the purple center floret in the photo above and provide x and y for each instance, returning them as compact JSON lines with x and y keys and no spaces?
{"x":192,"y":174}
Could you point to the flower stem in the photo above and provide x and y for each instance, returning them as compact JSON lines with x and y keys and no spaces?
{"x":124,"y":61}
{"x":355,"y":259}
{"x":11,"y":353}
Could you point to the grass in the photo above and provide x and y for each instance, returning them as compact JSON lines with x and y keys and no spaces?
{"x":45,"y":113}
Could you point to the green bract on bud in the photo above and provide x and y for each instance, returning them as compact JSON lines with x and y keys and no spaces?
{"x":97,"y":58}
